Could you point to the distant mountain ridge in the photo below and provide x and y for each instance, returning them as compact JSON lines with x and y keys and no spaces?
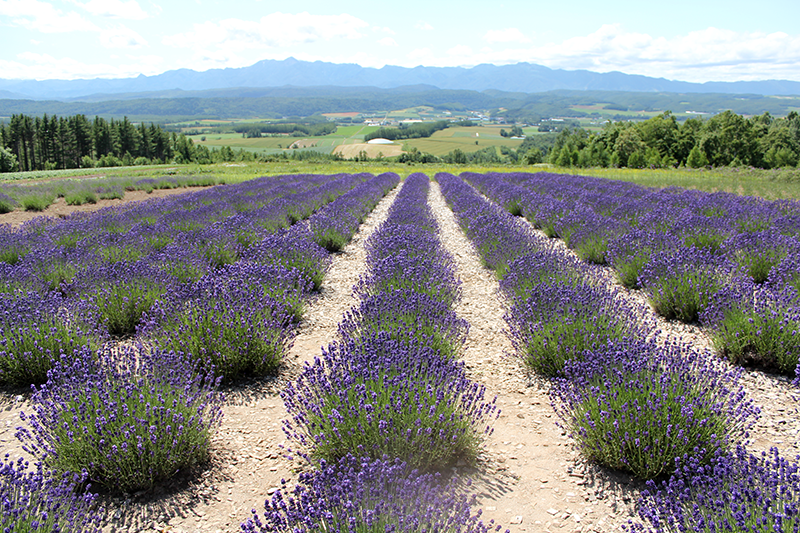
{"x":517,"y":78}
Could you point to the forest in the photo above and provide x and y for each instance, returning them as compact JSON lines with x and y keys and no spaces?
{"x":51,"y":142}
{"x":726,"y":139}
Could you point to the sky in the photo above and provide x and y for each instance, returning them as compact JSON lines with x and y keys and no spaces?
{"x":684,"y":40}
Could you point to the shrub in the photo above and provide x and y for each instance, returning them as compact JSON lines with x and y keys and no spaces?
{"x":379,"y":398}
{"x":409,"y":317}
{"x":628,"y":253}
{"x":682,"y":282}
{"x":559,"y":322}
{"x":404,"y":272}
{"x":638,"y":407}
{"x":758,"y":253}
{"x":358,"y":494}
{"x":35,"y":500}
{"x":128,"y":417}
{"x":7,"y":204}
{"x":754,"y":325}
{"x":736,"y":491}
{"x":123,"y":292}
{"x":236,"y":329}
{"x":38,"y":330}
{"x":80,"y":197}
{"x":292,"y":249}
{"x":37,"y":201}
{"x":333,"y":231}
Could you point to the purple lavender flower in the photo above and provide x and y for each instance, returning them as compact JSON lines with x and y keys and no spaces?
{"x":378,"y":397}
{"x":360,"y":494}
{"x":639,"y":406}
{"x":36,"y":500}
{"x":127,"y":416}
{"x":735,"y":491}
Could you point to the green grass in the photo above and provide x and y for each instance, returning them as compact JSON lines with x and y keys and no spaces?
{"x":464,"y":138}
{"x":769,"y":184}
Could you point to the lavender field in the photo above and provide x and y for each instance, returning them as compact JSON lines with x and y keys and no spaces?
{"x":133,"y":327}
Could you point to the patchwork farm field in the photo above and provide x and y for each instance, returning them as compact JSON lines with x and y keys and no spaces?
{"x":450,"y":352}
{"x":343,"y":136}
{"x":463,"y":138}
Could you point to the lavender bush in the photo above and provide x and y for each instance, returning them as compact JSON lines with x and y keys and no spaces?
{"x":377,"y":397}
{"x":128,"y":417}
{"x":638,"y":406}
{"x":558,"y":322}
{"x":362,"y":495}
{"x":121,"y":293}
{"x":37,"y":329}
{"x":736,"y":492}
{"x":409,"y":317}
{"x":36,"y":500}
{"x":755,"y":325}
{"x":236,"y":321}
{"x":682,"y":282}
{"x":760,"y":252}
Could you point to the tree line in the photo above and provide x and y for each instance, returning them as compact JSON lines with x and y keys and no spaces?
{"x":414,"y":131}
{"x":51,"y":142}
{"x":725,"y":139}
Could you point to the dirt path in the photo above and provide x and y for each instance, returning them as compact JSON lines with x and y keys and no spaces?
{"x":529,"y":478}
{"x":61,"y":209}
{"x":249,"y":460}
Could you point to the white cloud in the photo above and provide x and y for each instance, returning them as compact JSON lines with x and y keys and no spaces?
{"x":460,"y":50}
{"x":43,"y":17}
{"x":277,"y":30}
{"x":44,"y":66}
{"x":710,"y":54}
{"x":387,"y":31}
{"x":121,"y":37}
{"x":508,"y":35}
{"x":118,"y":9}
{"x":387,"y":41}
{"x":422,"y":25}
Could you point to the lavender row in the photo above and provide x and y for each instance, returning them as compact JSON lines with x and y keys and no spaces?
{"x":559,"y":307}
{"x":655,"y":410}
{"x":129,"y":417}
{"x":615,"y":389}
{"x":239,"y":319}
{"x":725,"y":261}
{"x":60,"y":298}
{"x":217,"y":222}
{"x":388,"y":400}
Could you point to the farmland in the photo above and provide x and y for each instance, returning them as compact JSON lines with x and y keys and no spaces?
{"x":382,"y":329}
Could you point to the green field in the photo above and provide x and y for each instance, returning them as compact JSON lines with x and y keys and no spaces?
{"x":271,"y":145}
{"x":464,"y":138}
{"x":769,"y":184}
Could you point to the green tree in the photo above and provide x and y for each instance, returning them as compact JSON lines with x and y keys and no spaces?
{"x":8,"y":161}
{"x":628,"y":142}
{"x":697,"y":158}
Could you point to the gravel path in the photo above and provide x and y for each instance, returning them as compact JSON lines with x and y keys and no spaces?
{"x":529,"y":477}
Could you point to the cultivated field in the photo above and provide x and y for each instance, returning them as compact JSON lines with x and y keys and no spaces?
{"x":378,"y":340}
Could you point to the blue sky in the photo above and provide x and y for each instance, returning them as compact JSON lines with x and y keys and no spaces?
{"x":680,"y":40}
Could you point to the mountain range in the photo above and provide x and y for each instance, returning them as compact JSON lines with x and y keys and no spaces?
{"x":516,"y":78}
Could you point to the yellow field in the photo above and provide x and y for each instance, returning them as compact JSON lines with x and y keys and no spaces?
{"x":351,"y":151}
{"x":463,"y":138}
